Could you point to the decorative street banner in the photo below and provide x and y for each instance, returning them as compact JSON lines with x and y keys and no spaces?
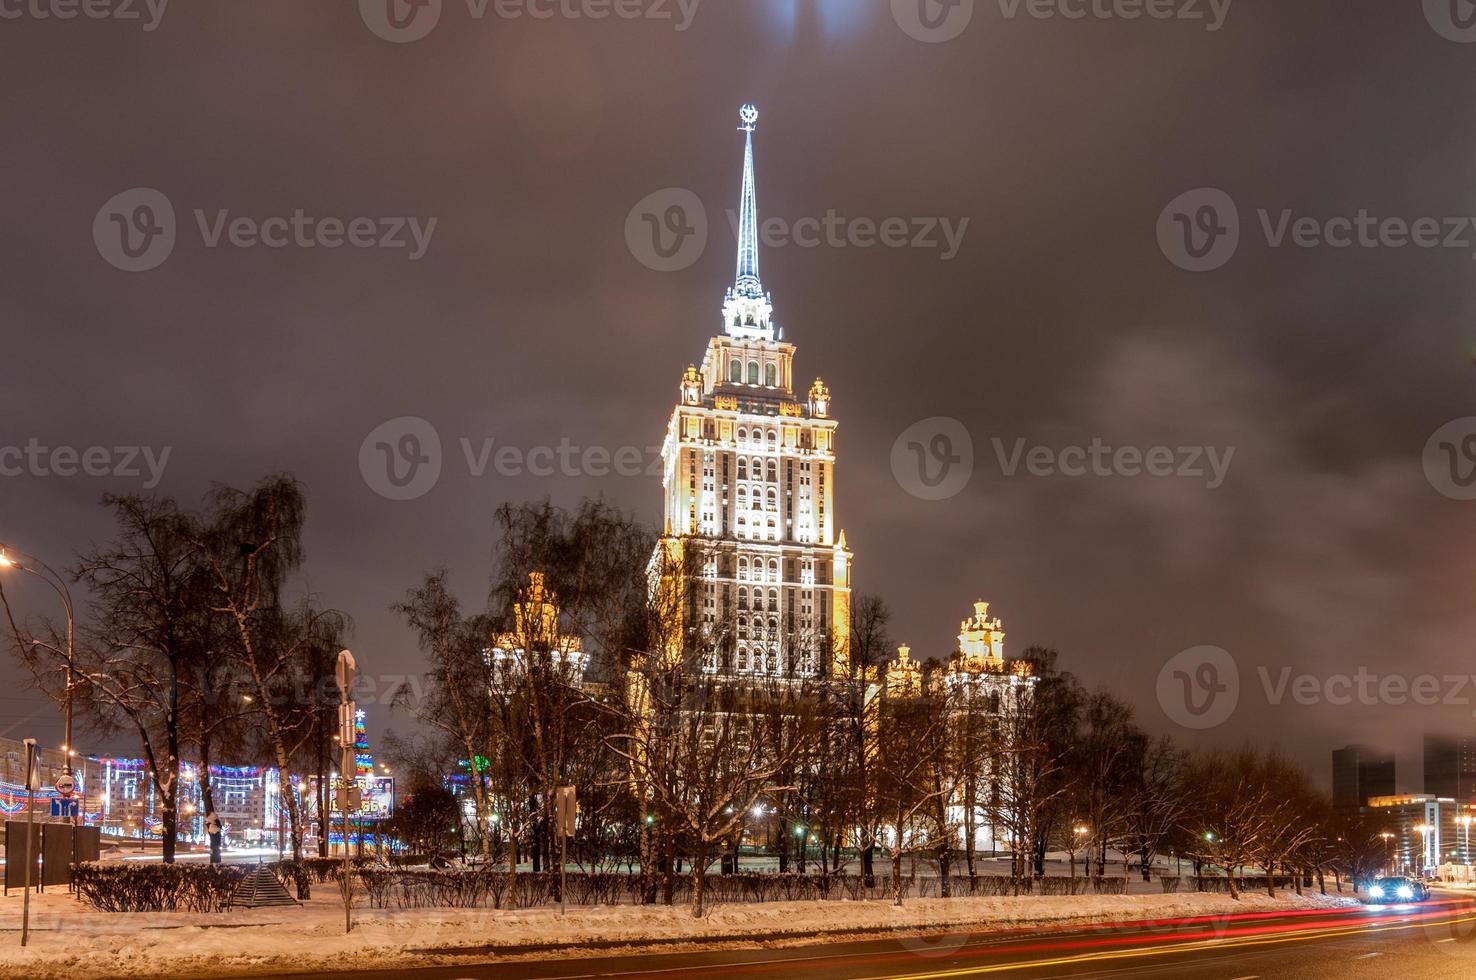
{"x":378,"y":799}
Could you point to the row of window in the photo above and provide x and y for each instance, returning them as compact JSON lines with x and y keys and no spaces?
{"x":736,"y":373}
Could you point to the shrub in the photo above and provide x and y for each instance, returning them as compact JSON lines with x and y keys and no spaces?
{"x":158,"y":887}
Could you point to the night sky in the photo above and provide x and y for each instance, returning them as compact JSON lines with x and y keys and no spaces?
{"x":530,"y":319}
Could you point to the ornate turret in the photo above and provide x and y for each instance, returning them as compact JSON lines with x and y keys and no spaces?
{"x":691,"y":386}
{"x":819,"y":399}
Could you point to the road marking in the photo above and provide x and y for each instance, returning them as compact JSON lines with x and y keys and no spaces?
{"x":1367,"y":956}
{"x":1445,"y":940}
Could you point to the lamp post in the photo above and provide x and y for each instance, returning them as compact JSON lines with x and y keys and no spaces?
{"x":1388,"y":851}
{"x":9,"y":558}
{"x":1465,"y":821}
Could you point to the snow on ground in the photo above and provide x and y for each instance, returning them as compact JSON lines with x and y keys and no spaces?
{"x":70,"y":940}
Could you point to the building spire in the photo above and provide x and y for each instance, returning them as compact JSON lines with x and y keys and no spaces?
{"x":747,"y":311}
{"x":747,"y":283}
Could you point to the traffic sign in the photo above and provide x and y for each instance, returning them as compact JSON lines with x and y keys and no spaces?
{"x":64,"y":808}
{"x":66,"y":785}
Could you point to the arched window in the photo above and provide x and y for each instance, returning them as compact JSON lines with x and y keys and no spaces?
{"x":773,"y":472}
{"x":753,"y":372}
{"x":735,"y":371}
{"x":773,"y":569}
{"x":742,"y":435}
{"x":742,"y":658}
{"x":772,"y":535}
{"x":742,"y":469}
{"x":742,"y":598}
{"x":773,"y":439}
{"x":742,"y":569}
{"x":773,"y":499}
{"x":771,"y":375}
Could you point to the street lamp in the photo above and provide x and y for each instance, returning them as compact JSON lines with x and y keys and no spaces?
{"x":49,"y":575}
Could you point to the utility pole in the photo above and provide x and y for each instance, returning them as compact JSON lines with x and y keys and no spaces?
{"x":33,"y":782}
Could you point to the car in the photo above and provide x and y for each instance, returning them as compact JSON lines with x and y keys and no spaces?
{"x":1398,"y":890}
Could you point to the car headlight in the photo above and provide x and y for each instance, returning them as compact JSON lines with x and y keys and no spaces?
{"x":1406,"y":892}
{"x":1375,"y":892}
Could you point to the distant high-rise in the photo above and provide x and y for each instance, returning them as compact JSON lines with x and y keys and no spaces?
{"x":1360,"y":773}
{"x":1450,"y":767}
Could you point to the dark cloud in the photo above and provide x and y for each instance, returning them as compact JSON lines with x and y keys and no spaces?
{"x":529,"y":321}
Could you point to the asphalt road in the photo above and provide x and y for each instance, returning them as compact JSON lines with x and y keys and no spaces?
{"x":1432,"y":941}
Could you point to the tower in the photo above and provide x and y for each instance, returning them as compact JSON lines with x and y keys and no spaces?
{"x":749,"y":488}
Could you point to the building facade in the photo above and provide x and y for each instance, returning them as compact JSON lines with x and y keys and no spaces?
{"x":1360,"y":773}
{"x":1450,"y":767}
{"x":749,"y":482}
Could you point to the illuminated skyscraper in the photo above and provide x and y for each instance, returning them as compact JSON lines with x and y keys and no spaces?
{"x":749,"y":477}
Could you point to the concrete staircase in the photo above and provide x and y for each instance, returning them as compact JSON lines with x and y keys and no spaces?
{"x":261,"y":890}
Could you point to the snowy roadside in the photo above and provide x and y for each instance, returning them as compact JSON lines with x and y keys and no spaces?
{"x":69,"y":940}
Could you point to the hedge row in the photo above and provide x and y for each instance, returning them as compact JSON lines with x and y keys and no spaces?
{"x":489,"y":886}
{"x":210,"y":888}
{"x":158,"y":887}
{"x":189,"y":887}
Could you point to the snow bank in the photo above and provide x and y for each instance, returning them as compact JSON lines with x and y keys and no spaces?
{"x":70,"y":940}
